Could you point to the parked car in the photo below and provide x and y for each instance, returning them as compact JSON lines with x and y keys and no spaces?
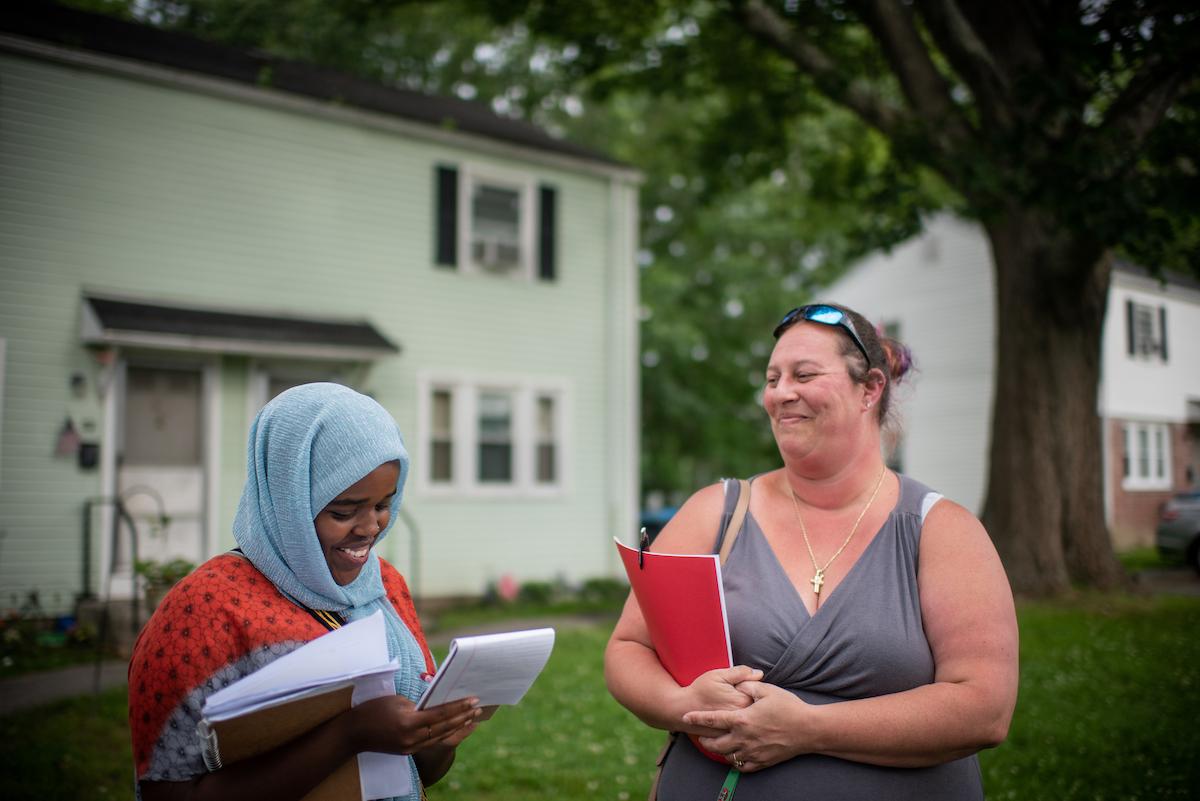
{"x":1178,"y":533}
{"x":653,"y":520}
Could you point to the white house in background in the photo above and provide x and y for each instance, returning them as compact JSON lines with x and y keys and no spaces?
{"x":188,"y":229}
{"x":935,"y":293}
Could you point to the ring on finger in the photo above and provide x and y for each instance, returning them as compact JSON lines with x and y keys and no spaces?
{"x":738,"y":762}
{"x":429,"y":735}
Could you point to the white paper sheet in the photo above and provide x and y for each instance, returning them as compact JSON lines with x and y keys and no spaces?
{"x":354,"y":649}
{"x":495,"y":668}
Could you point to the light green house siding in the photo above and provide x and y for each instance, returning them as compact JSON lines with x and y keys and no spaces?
{"x":145,"y":186}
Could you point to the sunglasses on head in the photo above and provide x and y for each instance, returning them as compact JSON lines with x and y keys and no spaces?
{"x":825,"y":315}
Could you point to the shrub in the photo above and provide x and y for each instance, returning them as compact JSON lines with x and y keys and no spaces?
{"x":536,"y":592}
{"x":163,"y":574}
{"x":603,"y":590}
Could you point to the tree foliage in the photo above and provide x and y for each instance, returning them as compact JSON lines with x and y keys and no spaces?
{"x":1085,"y":109}
{"x":1068,"y":130}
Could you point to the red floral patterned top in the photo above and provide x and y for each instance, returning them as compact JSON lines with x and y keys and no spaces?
{"x":222,"y":622}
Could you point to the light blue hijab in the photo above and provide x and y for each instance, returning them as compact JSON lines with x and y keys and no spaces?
{"x":306,"y":447}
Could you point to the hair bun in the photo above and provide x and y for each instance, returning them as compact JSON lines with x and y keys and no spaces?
{"x":899,"y":358}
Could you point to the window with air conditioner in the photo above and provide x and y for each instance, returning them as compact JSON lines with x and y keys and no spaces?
{"x":496,"y":228}
{"x":495,"y":222}
{"x":1146,"y":330}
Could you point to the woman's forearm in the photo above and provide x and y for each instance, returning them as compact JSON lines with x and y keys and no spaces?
{"x":287,"y":772}
{"x":434,"y":762}
{"x":637,"y":680}
{"x":924,"y":726}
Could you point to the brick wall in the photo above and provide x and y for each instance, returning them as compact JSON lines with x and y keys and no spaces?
{"x":1135,"y":513}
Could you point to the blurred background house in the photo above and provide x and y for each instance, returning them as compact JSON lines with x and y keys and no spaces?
{"x":187,"y":230}
{"x":935,"y":293}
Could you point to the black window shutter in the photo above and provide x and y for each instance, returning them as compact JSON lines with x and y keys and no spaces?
{"x":446,"y":233}
{"x":1162,"y":332}
{"x":1129,"y":323}
{"x":547,"y":221}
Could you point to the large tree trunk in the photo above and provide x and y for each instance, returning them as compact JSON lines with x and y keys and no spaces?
{"x":1045,"y":501}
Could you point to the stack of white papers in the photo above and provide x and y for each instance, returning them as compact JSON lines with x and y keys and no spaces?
{"x":355,"y":654}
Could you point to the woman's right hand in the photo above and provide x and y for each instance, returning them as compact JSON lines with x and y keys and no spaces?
{"x":717,"y":690}
{"x":393,"y":725}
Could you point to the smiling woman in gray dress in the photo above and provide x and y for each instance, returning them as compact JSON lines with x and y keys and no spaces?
{"x":871,"y":621}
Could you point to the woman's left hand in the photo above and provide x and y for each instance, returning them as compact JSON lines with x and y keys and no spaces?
{"x":455,"y":737}
{"x":761,"y":735}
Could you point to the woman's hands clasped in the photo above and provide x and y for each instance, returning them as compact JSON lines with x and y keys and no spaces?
{"x":762,"y":732}
{"x":393,"y":724}
{"x":718,"y":690}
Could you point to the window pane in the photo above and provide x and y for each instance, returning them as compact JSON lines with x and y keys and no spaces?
{"x":163,"y":421}
{"x":545,"y":464}
{"x":1160,"y":468}
{"x":1143,"y":454}
{"x":441,"y":444}
{"x":1126,"y":450}
{"x":441,"y":467}
{"x":495,"y":463}
{"x":545,"y":419}
{"x":545,"y":471}
{"x":495,"y":437}
{"x":495,"y":417}
{"x":441,"y":412}
{"x":496,"y":208}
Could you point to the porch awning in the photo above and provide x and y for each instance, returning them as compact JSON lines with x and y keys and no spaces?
{"x":141,"y":324}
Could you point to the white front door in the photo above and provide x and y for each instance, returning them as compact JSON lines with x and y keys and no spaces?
{"x":160,"y":467}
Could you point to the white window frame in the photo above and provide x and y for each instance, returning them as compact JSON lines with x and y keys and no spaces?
{"x":471,"y":175}
{"x":464,"y":405}
{"x":1147,"y":468}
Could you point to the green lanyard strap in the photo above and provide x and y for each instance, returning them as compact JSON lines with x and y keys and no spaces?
{"x":730,"y":784}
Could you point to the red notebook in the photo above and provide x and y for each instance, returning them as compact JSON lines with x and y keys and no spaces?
{"x":683,"y":601}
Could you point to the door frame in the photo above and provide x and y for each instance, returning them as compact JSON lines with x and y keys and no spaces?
{"x":119,"y":586}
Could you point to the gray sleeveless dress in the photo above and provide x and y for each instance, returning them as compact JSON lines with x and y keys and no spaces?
{"x":865,"y":640}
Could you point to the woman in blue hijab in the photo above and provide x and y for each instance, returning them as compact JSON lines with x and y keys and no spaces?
{"x":325,"y":474}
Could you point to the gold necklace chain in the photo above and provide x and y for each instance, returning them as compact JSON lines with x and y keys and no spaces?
{"x":818,"y":579}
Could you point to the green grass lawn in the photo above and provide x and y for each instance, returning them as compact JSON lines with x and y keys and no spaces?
{"x":1109,"y":704}
{"x":1109,"y":709}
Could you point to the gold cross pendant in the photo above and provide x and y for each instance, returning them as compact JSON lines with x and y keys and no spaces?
{"x":817,"y":580}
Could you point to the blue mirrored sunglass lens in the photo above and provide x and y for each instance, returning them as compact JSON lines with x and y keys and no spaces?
{"x":827,"y":315}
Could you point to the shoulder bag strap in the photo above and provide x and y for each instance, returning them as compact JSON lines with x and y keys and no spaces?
{"x":735,"y":522}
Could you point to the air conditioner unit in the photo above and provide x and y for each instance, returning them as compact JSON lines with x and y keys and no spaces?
{"x":496,"y":255}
